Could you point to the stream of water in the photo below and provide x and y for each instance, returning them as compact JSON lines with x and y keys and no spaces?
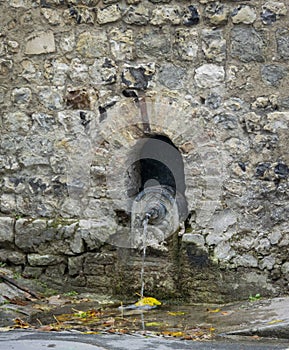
{"x":144,"y":240}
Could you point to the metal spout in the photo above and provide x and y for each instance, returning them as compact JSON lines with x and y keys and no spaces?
{"x":155,"y":207}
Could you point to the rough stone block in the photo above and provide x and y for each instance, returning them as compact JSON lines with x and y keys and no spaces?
{"x":29,"y":234}
{"x":122,"y":44}
{"x":168,"y":14}
{"x":194,"y":238}
{"x":214,"y":46}
{"x":108,"y":14}
{"x":153,"y":42}
{"x":17,"y":122}
{"x":6,"y":230}
{"x":246,"y":260}
{"x":75,"y":265}
{"x":247,"y":44}
{"x":217,"y":13}
{"x":273,"y":74}
{"x":32,"y":272}
{"x":172,"y":76}
{"x":92,"y":45}
{"x":94,"y":232}
{"x":244,"y":14}
{"x":40,"y":43}
{"x":14,"y":257}
{"x":185,"y":45}
{"x":138,"y":15}
{"x":44,"y":260}
{"x":209,"y":75}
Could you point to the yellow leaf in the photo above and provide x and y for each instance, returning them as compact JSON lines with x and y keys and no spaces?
{"x":18,"y":323}
{"x":214,"y":310}
{"x":274,"y":321}
{"x":148,"y":301}
{"x":176,"y":313}
{"x":5,"y":329}
{"x":154,"y":324}
{"x":212,"y":329}
{"x":173,"y":334}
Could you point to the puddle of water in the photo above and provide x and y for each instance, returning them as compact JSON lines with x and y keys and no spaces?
{"x":187,"y":322}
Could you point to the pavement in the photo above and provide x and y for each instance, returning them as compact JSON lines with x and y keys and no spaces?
{"x":26,"y":340}
{"x":253,"y":324}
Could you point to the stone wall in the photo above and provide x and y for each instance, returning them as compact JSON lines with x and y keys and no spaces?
{"x":82,"y":81}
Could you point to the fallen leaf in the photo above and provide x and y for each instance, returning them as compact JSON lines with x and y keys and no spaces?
{"x":148,"y":301}
{"x":177,"y":334}
{"x":275,"y":321}
{"x":224,"y":313}
{"x":109,"y":322}
{"x":20,"y":324}
{"x":155,"y":324}
{"x":213,"y":310}
{"x":173,"y":334}
{"x":5,"y":329}
{"x":46,"y":328}
{"x":176,"y":313}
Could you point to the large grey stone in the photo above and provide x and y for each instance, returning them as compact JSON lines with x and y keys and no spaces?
{"x":273,"y":74}
{"x":282,"y":38}
{"x":6,"y":230}
{"x":153,"y":42}
{"x":75,"y":265}
{"x":247,"y":44}
{"x":172,"y":76}
{"x":95,"y":232}
{"x":194,"y":238}
{"x":214,"y":45}
{"x":13,"y":257}
{"x":44,"y":260}
{"x":29,"y":234}
{"x":246,"y":260}
{"x":138,"y":15}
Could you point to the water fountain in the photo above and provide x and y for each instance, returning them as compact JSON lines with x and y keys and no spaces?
{"x":159,"y":207}
{"x":155,"y":216}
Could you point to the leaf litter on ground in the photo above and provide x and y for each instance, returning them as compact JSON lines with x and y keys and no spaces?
{"x":149,"y":317}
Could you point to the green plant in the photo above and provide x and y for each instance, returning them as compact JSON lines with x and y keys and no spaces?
{"x":255,"y":297}
{"x":2,"y":264}
{"x":16,"y":275}
{"x":73,"y":293}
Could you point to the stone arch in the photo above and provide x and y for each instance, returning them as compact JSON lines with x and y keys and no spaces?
{"x":124,"y":127}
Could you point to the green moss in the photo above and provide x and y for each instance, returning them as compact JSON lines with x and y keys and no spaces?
{"x":58,"y":222}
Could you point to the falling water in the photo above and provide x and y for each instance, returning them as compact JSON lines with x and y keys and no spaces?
{"x":144,"y":239}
